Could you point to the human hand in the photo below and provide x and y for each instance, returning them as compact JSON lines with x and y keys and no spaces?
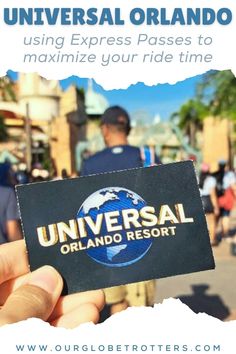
{"x":38,"y":294}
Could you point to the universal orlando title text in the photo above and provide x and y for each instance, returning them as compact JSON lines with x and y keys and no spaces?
{"x":68,"y":16}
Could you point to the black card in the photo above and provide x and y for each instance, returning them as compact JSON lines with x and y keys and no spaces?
{"x":117,"y":228}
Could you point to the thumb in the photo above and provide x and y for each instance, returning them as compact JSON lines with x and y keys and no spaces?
{"x":37,"y":298}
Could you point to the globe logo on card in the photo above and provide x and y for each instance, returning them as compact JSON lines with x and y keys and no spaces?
{"x":108,"y":209}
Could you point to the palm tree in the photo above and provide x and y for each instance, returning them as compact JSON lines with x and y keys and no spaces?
{"x":190,"y":118}
{"x":218,"y":89}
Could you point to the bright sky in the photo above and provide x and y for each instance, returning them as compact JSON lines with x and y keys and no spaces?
{"x":160,"y":100}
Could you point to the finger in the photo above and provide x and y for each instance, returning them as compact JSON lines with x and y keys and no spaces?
{"x":37,"y":298}
{"x":70,"y":302}
{"x":13,"y":260}
{"x":82,"y":314}
{"x":65,"y":303}
{"x":11,"y":285}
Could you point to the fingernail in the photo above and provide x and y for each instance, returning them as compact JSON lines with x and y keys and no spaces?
{"x":45,"y":278}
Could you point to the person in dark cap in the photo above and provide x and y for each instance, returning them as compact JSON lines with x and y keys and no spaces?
{"x":119,"y":155}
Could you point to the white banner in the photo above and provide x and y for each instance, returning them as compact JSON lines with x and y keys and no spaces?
{"x":118,"y":44}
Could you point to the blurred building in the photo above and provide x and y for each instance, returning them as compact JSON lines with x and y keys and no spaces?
{"x":217,"y":141}
{"x":42,"y":96}
{"x":61,"y":122}
{"x":67,"y":129}
{"x":38,"y":99}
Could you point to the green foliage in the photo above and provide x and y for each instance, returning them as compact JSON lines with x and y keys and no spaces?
{"x":193,"y":111}
{"x":3,"y":130}
{"x":190,"y":118}
{"x":7,"y":92}
{"x":218,"y":89}
{"x":47,"y":161}
{"x":81,"y":93}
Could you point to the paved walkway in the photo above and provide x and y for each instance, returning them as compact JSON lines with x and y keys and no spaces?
{"x":213,"y":292}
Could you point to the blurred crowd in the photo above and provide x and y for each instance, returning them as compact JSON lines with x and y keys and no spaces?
{"x":218,"y":193}
{"x":10,"y":228}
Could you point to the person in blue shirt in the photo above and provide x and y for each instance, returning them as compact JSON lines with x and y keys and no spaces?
{"x":119,"y":155}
